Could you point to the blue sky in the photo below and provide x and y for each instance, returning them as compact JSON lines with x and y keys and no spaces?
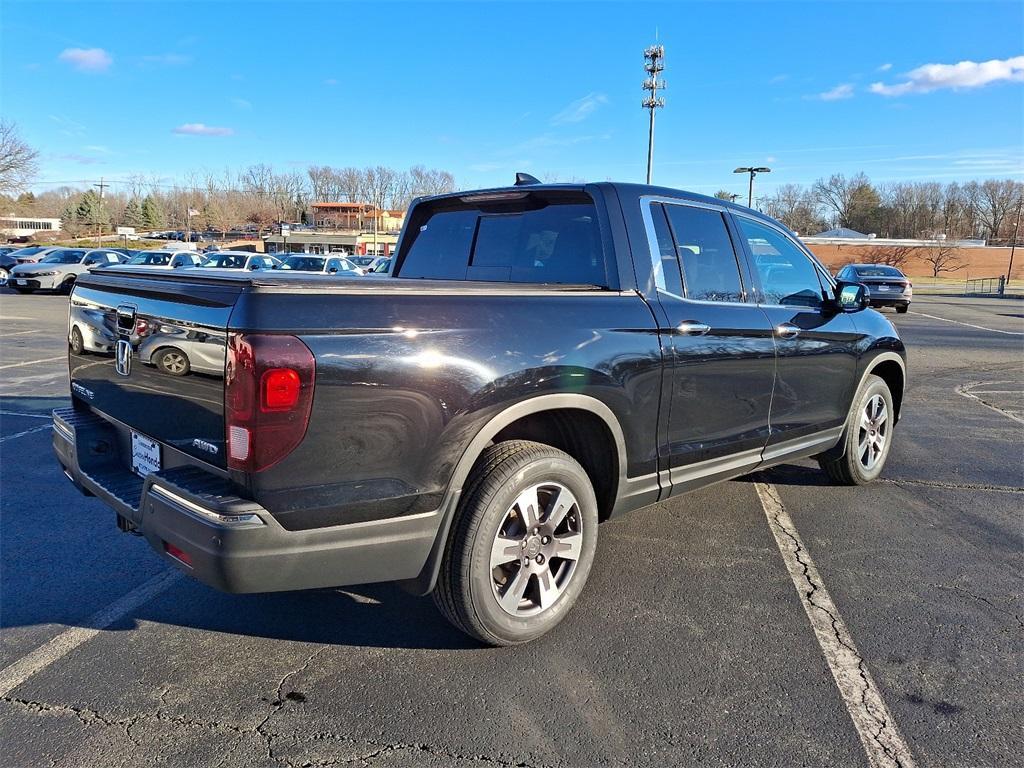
{"x":485,"y":89}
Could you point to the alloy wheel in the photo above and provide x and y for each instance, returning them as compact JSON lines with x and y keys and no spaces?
{"x":174,"y":362}
{"x":873,"y":432}
{"x":536,"y":549}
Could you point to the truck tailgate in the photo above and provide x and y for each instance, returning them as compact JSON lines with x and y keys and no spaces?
{"x":150,"y":352}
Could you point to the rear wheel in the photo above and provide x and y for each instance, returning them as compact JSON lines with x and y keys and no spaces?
{"x":522,"y":544}
{"x":173,"y":361}
{"x":901,"y":308}
{"x":868,"y":436}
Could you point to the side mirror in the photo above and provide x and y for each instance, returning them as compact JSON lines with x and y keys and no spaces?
{"x":254,"y":267}
{"x":333,"y":270}
{"x":852,"y":297}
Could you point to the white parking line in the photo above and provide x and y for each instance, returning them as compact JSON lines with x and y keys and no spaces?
{"x":19,"y":333}
{"x":27,"y":415}
{"x":970,"y":325}
{"x":963,"y":390}
{"x":33,"y":362}
{"x":61,"y":645}
{"x":32,"y":431}
{"x":882,"y":742}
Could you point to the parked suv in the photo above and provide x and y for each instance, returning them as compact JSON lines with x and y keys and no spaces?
{"x":887,"y":286}
{"x":542,"y":358}
{"x":59,"y":269}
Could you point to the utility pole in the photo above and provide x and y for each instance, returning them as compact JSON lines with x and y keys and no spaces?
{"x":654,"y":63}
{"x":99,"y":216}
{"x":753,"y":172}
{"x":1013,"y":245}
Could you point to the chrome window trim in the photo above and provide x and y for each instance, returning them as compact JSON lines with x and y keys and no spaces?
{"x":654,"y":252}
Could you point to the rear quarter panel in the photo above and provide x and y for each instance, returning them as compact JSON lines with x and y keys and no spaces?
{"x":406,"y":379}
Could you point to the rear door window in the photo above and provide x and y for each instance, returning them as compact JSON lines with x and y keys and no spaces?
{"x":530,"y":241}
{"x":706,"y":254}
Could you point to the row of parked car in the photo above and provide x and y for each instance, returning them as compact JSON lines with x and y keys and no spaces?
{"x":56,"y":268}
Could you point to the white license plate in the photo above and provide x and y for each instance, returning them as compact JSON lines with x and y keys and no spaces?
{"x":21,"y":282}
{"x":884,"y":288}
{"x":145,"y":455}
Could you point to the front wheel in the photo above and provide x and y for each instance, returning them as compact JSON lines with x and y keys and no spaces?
{"x":522,"y":544}
{"x":4,"y":274}
{"x":868,"y":436}
{"x":77,"y":343}
{"x":173,"y":362}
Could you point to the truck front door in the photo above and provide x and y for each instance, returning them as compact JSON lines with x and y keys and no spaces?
{"x":718,"y":344}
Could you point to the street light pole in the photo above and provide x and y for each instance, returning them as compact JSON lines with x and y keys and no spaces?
{"x":1013,"y":245}
{"x":654,"y":63}
{"x":753,"y":172}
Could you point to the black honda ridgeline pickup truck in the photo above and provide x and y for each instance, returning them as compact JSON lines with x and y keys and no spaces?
{"x":541,"y":358}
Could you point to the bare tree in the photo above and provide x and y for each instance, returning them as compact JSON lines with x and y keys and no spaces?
{"x":18,"y":161}
{"x":795,"y":207}
{"x":994,"y":200}
{"x":351,"y":184}
{"x":854,"y":202}
{"x":943,"y":257}
{"x":892,"y":255}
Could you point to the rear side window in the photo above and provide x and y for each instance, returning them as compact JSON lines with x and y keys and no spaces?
{"x":529,"y":241}
{"x":706,"y":254}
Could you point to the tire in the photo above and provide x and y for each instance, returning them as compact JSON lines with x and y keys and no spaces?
{"x":902,"y":308}
{"x":480,"y":599}
{"x":866,"y":441}
{"x":173,"y":362}
{"x":77,"y":344}
{"x":67,"y":286}
{"x":4,"y":275}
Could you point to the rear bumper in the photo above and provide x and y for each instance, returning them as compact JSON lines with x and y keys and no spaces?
{"x":232,"y":543}
{"x":893,"y":300}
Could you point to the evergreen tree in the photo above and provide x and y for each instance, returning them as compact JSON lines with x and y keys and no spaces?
{"x":152,"y":215}
{"x":90,"y":210}
{"x":132,"y":216}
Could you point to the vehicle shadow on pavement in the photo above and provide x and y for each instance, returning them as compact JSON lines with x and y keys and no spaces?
{"x":379,"y":616}
{"x":789,"y":474}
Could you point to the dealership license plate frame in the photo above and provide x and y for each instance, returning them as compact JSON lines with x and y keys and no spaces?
{"x":146,"y":458}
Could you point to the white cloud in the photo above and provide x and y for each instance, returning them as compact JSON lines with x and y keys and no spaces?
{"x":580,"y":109}
{"x":201,"y":129}
{"x":87,"y":59}
{"x":843,"y":91}
{"x":885,"y":67}
{"x":965,"y":74}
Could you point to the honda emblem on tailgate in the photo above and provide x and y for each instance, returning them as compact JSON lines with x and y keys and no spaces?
{"x":123,"y":360}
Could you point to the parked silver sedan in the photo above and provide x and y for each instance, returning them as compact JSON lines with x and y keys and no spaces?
{"x":59,"y":269}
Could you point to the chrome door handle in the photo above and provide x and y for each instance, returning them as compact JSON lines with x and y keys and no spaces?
{"x":693,"y":328}
{"x":787,"y":330}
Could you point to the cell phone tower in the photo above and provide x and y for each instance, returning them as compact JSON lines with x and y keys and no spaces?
{"x":654,"y":63}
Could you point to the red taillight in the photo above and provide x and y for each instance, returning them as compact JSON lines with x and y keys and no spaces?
{"x":268,"y":396}
{"x":279,"y":390}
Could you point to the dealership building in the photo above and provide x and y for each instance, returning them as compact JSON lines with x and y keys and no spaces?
{"x":12,"y":226}
{"x":353,"y":229}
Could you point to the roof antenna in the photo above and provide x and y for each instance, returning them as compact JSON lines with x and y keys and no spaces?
{"x":525,"y":179}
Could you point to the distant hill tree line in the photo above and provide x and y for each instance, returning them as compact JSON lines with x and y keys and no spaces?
{"x":924,"y":209}
{"x":256,"y":195}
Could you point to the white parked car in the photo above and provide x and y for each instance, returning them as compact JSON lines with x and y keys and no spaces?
{"x":239,"y":260}
{"x":59,"y":268}
{"x":166,"y":258}
{"x":325,"y":265}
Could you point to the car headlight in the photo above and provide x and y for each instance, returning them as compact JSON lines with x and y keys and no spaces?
{"x":45,"y":274}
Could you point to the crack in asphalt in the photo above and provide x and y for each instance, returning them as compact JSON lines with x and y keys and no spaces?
{"x":982,"y":599}
{"x":901,"y":481}
{"x":884,"y":733}
{"x":375,"y":749}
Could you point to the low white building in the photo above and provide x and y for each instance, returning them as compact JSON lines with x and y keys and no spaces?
{"x":23,"y":226}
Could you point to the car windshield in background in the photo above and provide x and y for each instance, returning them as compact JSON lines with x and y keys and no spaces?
{"x":63,"y":257}
{"x":225,"y":261}
{"x":362,"y":261}
{"x":151,"y":259}
{"x":878,"y":272}
{"x":304,"y":263}
{"x":519,"y":240}
{"x":30,"y":251}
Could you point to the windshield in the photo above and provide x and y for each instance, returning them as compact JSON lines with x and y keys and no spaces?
{"x":30,"y":251}
{"x":225,"y":261}
{"x":63,"y":257}
{"x":151,"y":259}
{"x":362,"y":261}
{"x":304,"y":263}
{"x":878,"y":271}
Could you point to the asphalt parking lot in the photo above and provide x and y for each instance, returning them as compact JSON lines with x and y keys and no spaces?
{"x":692,"y":644}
